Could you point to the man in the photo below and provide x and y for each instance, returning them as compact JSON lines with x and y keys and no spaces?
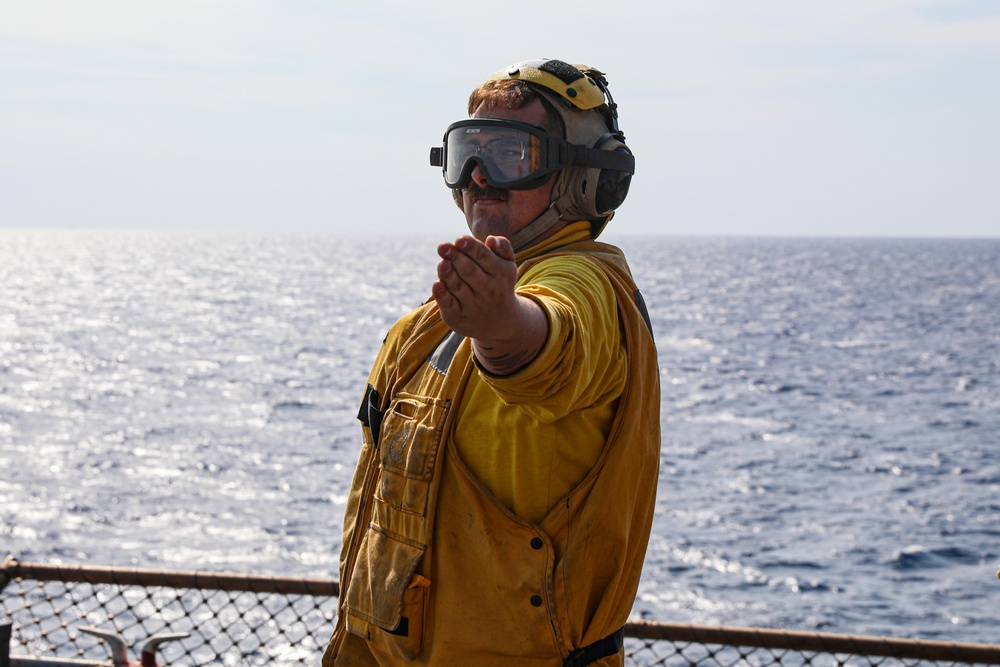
{"x":502,"y":503}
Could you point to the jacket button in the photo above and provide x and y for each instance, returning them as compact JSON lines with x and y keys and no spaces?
{"x":536,"y":543}
{"x":536,"y":601}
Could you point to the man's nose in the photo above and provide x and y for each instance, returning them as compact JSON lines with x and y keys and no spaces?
{"x":478,"y":176}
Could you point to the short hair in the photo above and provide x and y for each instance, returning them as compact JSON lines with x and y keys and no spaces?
{"x":514,"y":94}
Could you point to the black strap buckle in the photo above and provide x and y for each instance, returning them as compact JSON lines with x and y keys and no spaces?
{"x":599,"y":649}
{"x":369,"y":414}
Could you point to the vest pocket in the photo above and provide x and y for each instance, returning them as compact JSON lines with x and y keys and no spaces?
{"x":385,"y":600}
{"x":406,"y":640}
{"x":408,"y":448}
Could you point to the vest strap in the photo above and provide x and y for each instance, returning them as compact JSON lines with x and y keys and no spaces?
{"x":602,"y":648}
{"x":369,"y":414}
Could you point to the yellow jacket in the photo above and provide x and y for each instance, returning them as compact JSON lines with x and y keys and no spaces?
{"x":434,"y":568}
{"x":532,"y":436}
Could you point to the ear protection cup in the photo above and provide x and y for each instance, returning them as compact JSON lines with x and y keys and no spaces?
{"x":594,"y":193}
{"x":612,"y":185}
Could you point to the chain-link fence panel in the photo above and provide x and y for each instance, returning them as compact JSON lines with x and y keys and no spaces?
{"x":230,"y":619}
{"x":233,"y":619}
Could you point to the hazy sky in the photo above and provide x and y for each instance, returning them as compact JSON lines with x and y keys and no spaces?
{"x":747,"y":117}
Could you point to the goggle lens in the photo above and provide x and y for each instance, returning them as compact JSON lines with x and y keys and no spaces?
{"x":510,"y":155}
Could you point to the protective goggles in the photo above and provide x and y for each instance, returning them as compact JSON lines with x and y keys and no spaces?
{"x":513,"y":155}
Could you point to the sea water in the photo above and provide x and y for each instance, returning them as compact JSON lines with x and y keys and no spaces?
{"x":830,"y":414}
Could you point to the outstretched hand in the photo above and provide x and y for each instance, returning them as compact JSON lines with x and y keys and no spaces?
{"x":475,"y":292}
{"x":475,"y":286}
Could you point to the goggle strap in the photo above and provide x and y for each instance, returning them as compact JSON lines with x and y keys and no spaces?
{"x":590,"y":157}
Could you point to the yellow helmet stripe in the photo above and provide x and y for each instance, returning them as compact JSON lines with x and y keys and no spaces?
{"x":565,"y":80}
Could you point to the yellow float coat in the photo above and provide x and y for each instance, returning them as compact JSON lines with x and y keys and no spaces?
{"x":435,"y":568}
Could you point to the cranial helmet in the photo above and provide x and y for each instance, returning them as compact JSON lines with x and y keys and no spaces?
{"x":593,"y":165}
{"x":578,"y":93}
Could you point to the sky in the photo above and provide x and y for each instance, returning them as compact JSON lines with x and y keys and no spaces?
{"x":747,"y":118}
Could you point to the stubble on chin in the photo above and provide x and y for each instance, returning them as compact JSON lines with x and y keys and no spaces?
{"x":487,"y":223}
{"x":484,"y":226}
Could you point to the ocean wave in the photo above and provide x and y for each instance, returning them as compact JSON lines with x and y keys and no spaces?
{"x":190,"y":401}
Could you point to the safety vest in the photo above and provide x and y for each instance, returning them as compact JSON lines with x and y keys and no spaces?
{"x":434,"y":570}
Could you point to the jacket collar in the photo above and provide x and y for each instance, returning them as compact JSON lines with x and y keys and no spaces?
{"x":571,"y":233}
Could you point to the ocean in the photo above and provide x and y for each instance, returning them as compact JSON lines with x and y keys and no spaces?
{"x":830,"y":414}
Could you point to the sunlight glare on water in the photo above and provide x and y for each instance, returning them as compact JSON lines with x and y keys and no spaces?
{"x":829,"y":414}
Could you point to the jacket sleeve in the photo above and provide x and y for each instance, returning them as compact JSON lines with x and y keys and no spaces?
{"x":583,"y":359}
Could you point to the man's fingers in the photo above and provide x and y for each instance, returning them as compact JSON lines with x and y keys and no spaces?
{"x":485,"y":253}
{"x":443,"y":295}
{"x":447,"y":301}
{"x":450,"y":278}
{"x":475,"y":284}
{"x":501,"y":246}
{"x":468,"y":264}
{"x":446,"y":250}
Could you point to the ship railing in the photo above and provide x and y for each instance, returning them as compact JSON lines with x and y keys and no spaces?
{"x":248,"y":619}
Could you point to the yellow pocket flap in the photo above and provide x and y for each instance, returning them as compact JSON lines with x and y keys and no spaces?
{"x":384,"y":570}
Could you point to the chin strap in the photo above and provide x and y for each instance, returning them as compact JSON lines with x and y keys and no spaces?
{"x":543,"y":223}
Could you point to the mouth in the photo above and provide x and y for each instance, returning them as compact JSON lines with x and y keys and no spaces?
{"x":487,"y":201}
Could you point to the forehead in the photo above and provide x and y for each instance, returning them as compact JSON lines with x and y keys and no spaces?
{"x":532,"y":113}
